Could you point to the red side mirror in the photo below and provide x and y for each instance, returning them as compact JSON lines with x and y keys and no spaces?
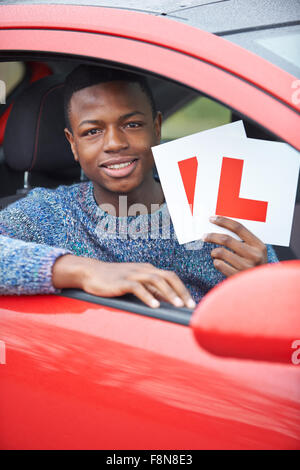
{"x":254,"y":315}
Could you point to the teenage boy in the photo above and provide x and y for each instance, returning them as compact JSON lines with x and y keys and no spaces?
{"x":55,"y":239}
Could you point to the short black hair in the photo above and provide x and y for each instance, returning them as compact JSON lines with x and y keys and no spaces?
{"x":85,"y":76}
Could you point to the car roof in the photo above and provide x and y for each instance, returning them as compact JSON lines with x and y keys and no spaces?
{"x":269,"y":28}
{"x":215,"y":16}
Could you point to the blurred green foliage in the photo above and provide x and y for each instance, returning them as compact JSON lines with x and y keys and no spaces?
{"x":200,"y":114}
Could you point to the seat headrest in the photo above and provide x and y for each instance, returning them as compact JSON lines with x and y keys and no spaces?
{"x":34,"y":137}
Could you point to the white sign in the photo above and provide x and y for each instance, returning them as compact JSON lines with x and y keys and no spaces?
{"x":221,"y":172}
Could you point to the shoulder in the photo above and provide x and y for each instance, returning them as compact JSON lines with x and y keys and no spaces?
{"x":60,"y":193}
{"x":61,"y":196}
{"x":44,"y":202}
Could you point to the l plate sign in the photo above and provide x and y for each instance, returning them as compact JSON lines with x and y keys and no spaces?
{"x":221,"y":172}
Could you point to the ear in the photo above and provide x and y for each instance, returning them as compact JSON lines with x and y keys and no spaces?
{"x":157,"y":127}
{"x":71,"y":141}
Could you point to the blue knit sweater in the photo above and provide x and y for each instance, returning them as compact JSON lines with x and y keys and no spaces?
{"x":47,"y":224}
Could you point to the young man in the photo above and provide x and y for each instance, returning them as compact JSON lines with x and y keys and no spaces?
{"x":55,"y":239}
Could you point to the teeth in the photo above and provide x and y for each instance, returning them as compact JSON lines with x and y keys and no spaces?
{"x":120,"y":165}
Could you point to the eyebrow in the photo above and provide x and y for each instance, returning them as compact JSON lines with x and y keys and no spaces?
{"x":124,"y":116}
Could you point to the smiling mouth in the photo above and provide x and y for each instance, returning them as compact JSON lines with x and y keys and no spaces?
{"x":121,"y":169}
{"x":117,"y":166}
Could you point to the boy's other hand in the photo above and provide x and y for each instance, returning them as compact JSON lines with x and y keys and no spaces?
{"x":245,"y":254}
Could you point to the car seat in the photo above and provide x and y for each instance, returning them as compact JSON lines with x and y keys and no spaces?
{"x":34,"y":141}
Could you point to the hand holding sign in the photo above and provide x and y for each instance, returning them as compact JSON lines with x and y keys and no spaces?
{"x":251,"y":253}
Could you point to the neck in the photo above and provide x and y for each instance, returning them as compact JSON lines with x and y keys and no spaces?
{"x":148,"y":195}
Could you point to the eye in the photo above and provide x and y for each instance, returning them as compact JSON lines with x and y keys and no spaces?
{"x":133,"y":124}
{"x":93,"y":132}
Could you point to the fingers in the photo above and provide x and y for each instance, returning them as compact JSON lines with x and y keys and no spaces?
{"x":161,"y":289}
{"x":154,"y":282}
{"x":253,"y":256}
{"x":155,"y":292}
{"x":237,"y":262}
{"x":178,"y":286}
{"x":143,"y":294}
{"x":166,"y":285}
{"x":243,"y":255}
{"x":238,"y":229}
{"x":226,"y":240}
{"x":224,"y":268}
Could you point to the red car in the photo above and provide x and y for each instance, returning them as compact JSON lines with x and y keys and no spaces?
{"x":85,"y":372}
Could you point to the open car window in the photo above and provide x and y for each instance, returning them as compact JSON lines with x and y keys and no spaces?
{"x":12,"y":73}
{"x":192,"y":112}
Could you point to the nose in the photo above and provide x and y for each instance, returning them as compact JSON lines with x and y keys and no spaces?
{"x":114,"y":140}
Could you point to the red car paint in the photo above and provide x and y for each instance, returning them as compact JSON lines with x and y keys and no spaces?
{"x":79,"y":375}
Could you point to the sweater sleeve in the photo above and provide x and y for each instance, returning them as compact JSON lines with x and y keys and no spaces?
{"x":272,"y":257}
{"x":26,"y":252}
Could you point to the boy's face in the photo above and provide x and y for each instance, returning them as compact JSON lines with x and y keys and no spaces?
{"x":112,"y":124}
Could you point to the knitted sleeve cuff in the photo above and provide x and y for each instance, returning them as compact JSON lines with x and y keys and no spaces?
{"x":26,"y":268}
